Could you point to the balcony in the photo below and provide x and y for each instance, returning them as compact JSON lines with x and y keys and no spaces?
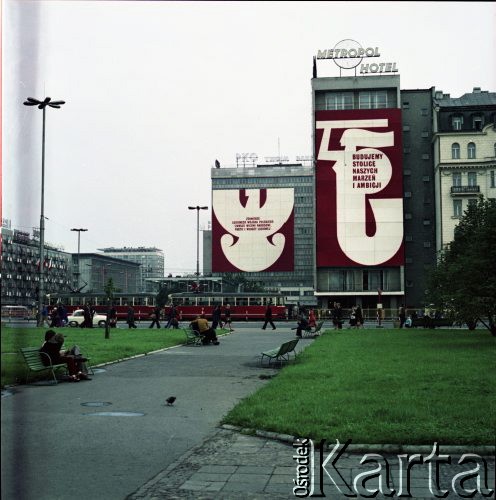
{"x":464,"y":190}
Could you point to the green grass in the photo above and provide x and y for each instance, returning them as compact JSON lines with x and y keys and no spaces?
{"x":389,"y":386}
{"x":123,"y":343}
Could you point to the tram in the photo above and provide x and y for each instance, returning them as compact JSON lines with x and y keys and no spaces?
{"x":189,"y":305}
{"x":243,"y":306}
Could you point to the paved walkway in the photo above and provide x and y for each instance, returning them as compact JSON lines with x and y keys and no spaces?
{"x":232,"y":466}
{"x":87,"y":440}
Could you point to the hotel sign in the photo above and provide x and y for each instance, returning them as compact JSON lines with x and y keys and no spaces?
{"x":348,"y":54}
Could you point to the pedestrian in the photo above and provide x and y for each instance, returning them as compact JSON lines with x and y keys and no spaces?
{"x":217,"y":317}
{"x":359,"y":316}
{"x":130,"y":318}
{"x":402,"y":315}
{"x":44,"y":316}
{"x":112,"y":318}
{"x":62,"y":314}
{"x":87,"y":318}
{"x":92,"y":314}
{"x":155,"y":316}
{"x":268,"y":317}
{"x":171,"y":317}
{"x":312,"y":321}
{"x":227,"y":316}
{"x":353,"y":321}
{"x":337,"y":316}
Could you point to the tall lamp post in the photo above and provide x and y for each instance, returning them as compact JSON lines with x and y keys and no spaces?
{"x":198,"y":208}
{"x":79,"y":230}
{"x":42,"y":105}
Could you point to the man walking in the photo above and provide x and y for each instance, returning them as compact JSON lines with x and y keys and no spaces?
{"x":268,"y":317}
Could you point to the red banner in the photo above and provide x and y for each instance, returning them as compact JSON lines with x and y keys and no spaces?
{"x":359,"y":188}
{"x":253,"y":230}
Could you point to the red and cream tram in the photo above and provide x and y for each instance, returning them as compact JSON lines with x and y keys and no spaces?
{"x":189,"y":305}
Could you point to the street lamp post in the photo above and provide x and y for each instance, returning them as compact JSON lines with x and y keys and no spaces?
{"x":42,"y":105}
{"x":198,"y":208}
{"x":79,"y":230}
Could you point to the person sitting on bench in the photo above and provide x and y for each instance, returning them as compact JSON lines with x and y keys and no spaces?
{"x":303,"y":324}
{"x":200,"y":324}
{"x":52,"y":345}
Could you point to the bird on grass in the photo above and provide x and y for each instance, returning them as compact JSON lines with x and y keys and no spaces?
{"x":170,"y":401}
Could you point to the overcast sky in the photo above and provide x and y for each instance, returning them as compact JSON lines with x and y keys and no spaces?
{"x":156,"y":91}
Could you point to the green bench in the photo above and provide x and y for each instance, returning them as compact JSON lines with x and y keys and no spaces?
{"x":314,"y":332}
{"x":33,"y":358}
{"x":192,"y":337}
{"x":280,"y":353}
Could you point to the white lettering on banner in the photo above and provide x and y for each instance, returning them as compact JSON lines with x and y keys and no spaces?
{"x":252,"y":225}
{"x":353,"y":184}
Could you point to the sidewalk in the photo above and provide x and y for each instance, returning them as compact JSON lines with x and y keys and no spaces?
{"x":232,"y":466}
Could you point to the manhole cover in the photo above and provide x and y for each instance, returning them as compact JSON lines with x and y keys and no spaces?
{"x":115,"y":414}
{"x":96,"y":403}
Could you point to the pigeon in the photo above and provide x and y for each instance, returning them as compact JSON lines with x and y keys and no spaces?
{"x":170,"y":401}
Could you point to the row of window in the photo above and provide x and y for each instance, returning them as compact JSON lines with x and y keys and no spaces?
{"x":471,"y":151}
{"x":458,"y":207}
{"x":477,"y":122}
{"x":366,"y":100}
{"x":472,"y":179}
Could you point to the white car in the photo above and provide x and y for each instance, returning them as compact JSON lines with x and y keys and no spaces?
{"x":77,"y":317}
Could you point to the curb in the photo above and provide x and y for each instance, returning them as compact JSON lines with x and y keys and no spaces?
{"x":482,"y":450}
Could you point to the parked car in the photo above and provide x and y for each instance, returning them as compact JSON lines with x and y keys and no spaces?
{"x":77,"y":317}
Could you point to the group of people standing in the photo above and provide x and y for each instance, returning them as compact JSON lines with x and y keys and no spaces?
{"x":355,"y":320}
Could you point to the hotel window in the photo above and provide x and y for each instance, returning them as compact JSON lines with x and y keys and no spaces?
{"x":457,"y":179}
{"x":457,"y":208}
{"x":455,"y":151}
{"x":493,"y":180}
{"x":471,"y":151}
{"x":478,"y":122}
{"x":472,"y":178}
{"x":339,"y":100}
{"x":373,"y":100}
{"x":457,"y":122}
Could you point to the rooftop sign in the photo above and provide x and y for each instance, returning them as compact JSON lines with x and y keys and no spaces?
{"x":348,"y":54}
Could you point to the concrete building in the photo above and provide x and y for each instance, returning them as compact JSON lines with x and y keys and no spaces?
{"x":150,"y":259}
{"x":20,"y":271}
{"x":349,"y":268}
{"x":96,"y":269}
{"x":464,"y":155}
{"x":262,"y":200}
{"x":418,"y":189}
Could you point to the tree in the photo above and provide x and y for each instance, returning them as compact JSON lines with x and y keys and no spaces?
{"x":463,"y":283}
{"x":162,"y":298}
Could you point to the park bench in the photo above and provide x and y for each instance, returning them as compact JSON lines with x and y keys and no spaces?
{"x":33,"y":358}
{"x":313,"y":332}
{"x":280,"y":353}
{"x":192,"y":336}
{"x":431,"y":322}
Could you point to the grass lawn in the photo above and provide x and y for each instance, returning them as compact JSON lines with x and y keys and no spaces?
{"x":123,"y":342}
{"x":383,"y":386}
